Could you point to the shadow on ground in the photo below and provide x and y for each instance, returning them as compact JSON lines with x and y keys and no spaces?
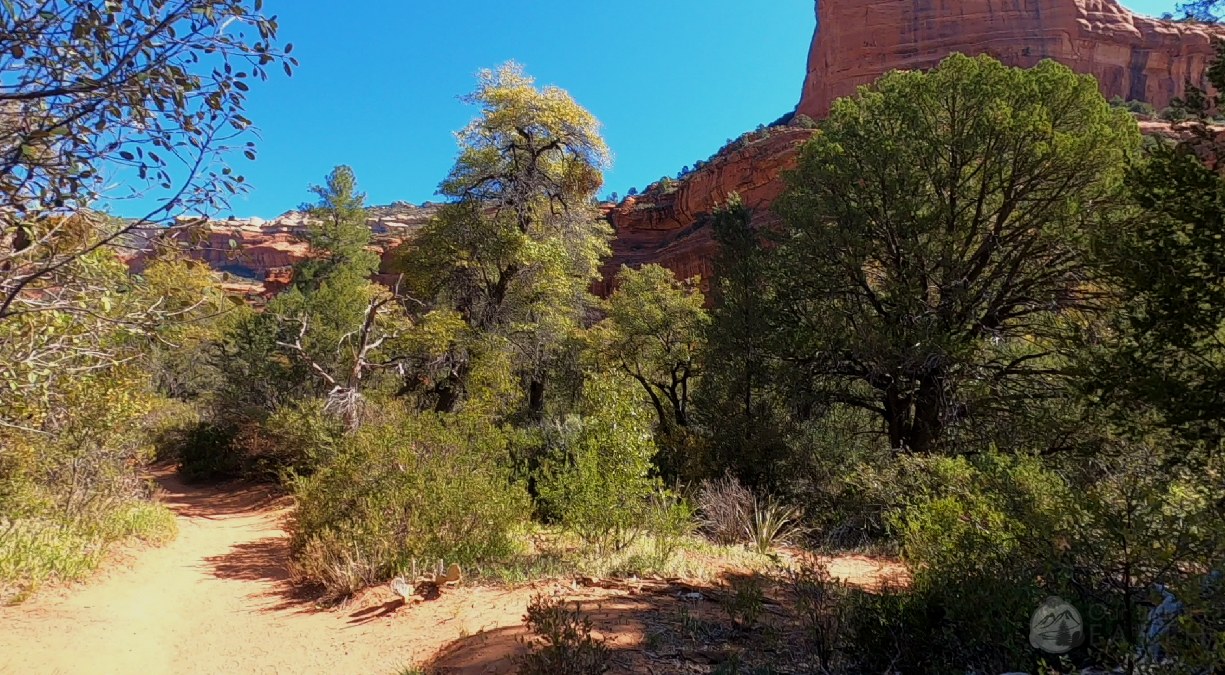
{"x":214,"y":501}
{"x":659,"y":628}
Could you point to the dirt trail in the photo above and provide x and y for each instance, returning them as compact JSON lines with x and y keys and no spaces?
{"x":217,"y":600}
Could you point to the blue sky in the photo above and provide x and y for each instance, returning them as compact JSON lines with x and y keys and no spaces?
{"x":379,"y":79}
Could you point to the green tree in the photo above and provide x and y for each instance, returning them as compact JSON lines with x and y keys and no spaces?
{"x":1165,"y":349}
{"x":330,"y":330}
{"x":516,"y":250}
{"x":738,"y":407}
{"x":934,"y":247}
{"x":337,"y":233}
{"x":654,"y":332}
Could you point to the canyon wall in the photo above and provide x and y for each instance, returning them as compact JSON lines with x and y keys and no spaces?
{"x":258,"y":255}
{"x":1133,"y":57}
{"x":670,"y":228}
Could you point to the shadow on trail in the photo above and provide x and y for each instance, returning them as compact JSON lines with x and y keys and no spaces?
{"x":213,"y":501}
{"x":376,"y":612}
{"x":260,"y":560}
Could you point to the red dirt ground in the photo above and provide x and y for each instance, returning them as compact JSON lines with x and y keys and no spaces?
{"x":218,"y":600}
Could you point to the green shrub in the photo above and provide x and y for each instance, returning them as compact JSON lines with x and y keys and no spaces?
{"x":669,"y":521}
{"x":295,"y":439}
{"x":745,"y":600}
{"x":569,"y":648}
{"x":303,"y":437}
{"x":204,"y":450}
{"x":409,"y":489}
{"x":599,"y":485}
{"x":38,"y":550}
{"x":981,"y":540}
{"x":146,"y":521}
{"x":33,"y":552}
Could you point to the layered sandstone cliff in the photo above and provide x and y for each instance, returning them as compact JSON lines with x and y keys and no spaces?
{"x":258,"y":255}
{"x":671,"y":228}
{"x":1132,"y":57}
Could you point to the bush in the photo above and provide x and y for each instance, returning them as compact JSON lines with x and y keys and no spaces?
{"x":409,"y":489}
{"x":295,"y":439}
{"x":569,"y":648}
{"x":73,"y":488}
{"x":724,"y":505}
{"x":821,"y":607}
{"x":35,"y":551}
{"x":304,"y":437}
{"x":803,"y":122}
{"x":981,"y":538}
{"x":599,"y":482}
{"x":204,"y":450}
{"x":669,"y":522}
{"x":745,"y":600}
{"x":771,"y":524}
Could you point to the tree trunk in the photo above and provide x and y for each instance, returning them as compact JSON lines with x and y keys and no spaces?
{"x":928,"y":423}
{"x":897,"y":418}
{"x":535,"y":397}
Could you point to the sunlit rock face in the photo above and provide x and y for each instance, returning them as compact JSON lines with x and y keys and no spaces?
{"x":1133,"y":57}
{"x":258,"y":255}
{"x":857,"y":41}
{"x":672,"y":228}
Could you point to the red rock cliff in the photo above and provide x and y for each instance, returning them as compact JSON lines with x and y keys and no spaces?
{"x":1134,"y":57}
{"x":670,"y":229}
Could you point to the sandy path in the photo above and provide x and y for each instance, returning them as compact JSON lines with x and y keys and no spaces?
{"x":216,"y":600}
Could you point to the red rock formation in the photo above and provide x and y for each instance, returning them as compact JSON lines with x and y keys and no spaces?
{"x":259,"y":253}
{"x":1134,"y":57}
{"x":669,"y":229}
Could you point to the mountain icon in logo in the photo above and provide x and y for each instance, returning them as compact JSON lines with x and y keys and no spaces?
{"x":1056,"y":627}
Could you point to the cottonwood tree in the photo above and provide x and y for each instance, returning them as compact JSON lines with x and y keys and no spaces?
{"x":147,"y":93}
{"x":934,"y":243}
{"x":517,"y":248}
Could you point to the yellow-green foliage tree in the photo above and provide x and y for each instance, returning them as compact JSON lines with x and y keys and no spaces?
{"x":515,"y":251}
{"x":654,"y":332}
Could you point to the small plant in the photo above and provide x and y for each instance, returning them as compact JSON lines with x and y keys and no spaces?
{"x":746,"y":601}
{"x":569,"y":648}
{"x":669,"y":521}
{"x":821,"y":605}
{"x":771,"y":524}
{"x":724,"y":505}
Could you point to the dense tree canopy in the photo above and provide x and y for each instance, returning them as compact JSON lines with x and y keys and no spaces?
{"x":517,"y":249}
{"x":934,"y":231}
